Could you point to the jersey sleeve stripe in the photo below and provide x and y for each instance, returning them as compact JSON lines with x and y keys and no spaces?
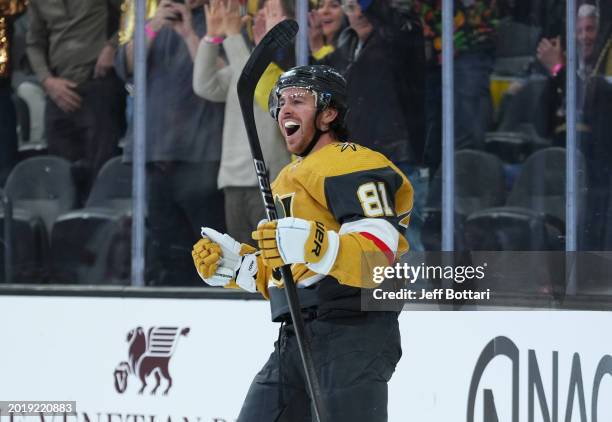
{"x":380,"y":245}
{"x":377,"y":227}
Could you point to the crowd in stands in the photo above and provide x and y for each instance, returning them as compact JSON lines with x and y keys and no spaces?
{"x":66,"y":91}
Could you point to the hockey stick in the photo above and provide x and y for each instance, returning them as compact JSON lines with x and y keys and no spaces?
{"x":277,"y":38}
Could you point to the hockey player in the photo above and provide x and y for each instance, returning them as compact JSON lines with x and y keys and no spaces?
{"x":343,"y":210}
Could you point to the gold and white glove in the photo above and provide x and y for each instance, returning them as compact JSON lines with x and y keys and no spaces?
{"x":295,"y":241}
{"x":221,"y":261}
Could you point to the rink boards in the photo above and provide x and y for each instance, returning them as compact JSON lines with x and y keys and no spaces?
{"x":457,"y":366}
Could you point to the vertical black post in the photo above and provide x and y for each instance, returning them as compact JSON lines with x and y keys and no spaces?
{"x":7,"y":205}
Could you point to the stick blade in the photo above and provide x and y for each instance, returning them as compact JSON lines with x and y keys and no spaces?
{"x":279,"y":37}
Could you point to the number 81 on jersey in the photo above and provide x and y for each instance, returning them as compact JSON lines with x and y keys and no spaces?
{"x":374,"y":201}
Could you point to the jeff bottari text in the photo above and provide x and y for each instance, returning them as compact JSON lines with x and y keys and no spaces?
{"x":427,"y":294}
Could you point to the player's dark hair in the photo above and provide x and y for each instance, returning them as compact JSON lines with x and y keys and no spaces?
{"x":338,"y":126}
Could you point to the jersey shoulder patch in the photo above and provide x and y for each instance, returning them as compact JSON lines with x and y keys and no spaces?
{"x":367,"y":193}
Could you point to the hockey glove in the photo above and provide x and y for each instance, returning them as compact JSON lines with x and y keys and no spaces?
{"x":294,"y":241}
{"x":221,"y":261}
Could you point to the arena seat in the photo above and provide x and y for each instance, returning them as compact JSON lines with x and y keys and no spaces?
{"x":534,"y":216}
{"x":514,"y":147}
{"x":40,"y":189}
{"x":523,"y":122}
{"x":530,"y":229}
{"x":516,"y":46}
{"x":527,"y":109}
{"x":479,"y":184}
{"x":92,"y":245}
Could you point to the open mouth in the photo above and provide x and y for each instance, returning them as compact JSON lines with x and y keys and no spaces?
{"x":291,"y":127}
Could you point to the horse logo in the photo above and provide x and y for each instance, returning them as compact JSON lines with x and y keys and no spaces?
{"x":148,"y":354}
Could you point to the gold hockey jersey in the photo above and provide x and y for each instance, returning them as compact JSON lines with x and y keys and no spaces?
{"x":361,"y":195}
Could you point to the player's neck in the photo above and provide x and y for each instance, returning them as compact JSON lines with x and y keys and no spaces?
{"x":325,"y":139}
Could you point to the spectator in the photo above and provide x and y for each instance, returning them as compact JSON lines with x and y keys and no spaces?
{"x":126,"y":32}
{"x":382,"y":57}
{"x":326,"y":23}
{"x":9,"y":10}
{"x":604,"y":42}
{"x":243,"y":205}
{"x":183,"y":142}
{"x":605,"y":21}
{"x":594,"y":39}
{"x":128,"y":20}
{"x":474,"y":42}
{"x":594,"y":106}
{"x":71,"y":45}
{"x":591,"y":61}
{"x":273,"y":12}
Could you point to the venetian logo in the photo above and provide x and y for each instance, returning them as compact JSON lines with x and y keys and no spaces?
{"x":149,"y":354}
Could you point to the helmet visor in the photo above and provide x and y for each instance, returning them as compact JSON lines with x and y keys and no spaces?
{"x":290,"y":95}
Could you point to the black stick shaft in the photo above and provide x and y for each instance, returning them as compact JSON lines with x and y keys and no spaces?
{"x":293,"y":301}
{"x":8,"y":236}
{"x":278,"y":37}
